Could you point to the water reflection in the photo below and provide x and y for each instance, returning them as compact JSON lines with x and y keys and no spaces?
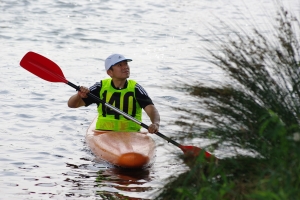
{"x":118,"y":181}
{"x":110,"y":182}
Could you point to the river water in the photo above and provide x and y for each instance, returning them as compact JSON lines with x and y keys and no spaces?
{"x":43,"y":152}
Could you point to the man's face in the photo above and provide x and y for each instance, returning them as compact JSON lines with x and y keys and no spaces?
{"x":120,"y":70}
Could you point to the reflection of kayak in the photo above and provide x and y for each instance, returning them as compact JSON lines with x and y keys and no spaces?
{"x":120,"y":183}
{"x":123,"y":149}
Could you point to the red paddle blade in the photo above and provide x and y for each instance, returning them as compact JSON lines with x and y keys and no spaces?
{"x":42,"y":67}
{"x":194,"y":151}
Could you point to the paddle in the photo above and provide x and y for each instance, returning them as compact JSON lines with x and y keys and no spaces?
{"x":49,"y":71}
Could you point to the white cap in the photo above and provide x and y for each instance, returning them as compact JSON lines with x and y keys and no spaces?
{"x":114,"y":59}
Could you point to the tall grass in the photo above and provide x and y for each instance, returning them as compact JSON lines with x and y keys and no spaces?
{"x":259,"y":112}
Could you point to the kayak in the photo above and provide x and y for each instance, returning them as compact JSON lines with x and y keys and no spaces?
{"x":122,"y":149}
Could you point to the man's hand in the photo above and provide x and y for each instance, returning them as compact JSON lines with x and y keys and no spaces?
{"x":83,"y":92}
{"x":76,"y":101}
{"x":153,"y":128}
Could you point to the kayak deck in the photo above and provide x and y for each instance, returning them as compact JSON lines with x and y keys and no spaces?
{"x":123,"y":149}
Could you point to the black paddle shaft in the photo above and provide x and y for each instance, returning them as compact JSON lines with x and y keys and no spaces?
{"x":124,"y":114}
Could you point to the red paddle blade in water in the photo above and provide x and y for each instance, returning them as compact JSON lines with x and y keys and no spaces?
{"x":42,"y":67}
{"x":189,"y":151}
{"x":194,"y":151}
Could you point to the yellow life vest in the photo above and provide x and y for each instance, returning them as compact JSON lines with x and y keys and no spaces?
{"x":123,"y":100}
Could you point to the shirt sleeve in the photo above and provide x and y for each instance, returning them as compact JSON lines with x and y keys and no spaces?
{"x":95,"y":90}
{"x":142,"y":96}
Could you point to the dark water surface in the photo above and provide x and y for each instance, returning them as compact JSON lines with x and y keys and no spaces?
{"x":43,"y":152}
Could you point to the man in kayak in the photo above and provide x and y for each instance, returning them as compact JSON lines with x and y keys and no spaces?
{"x":126,"y":95}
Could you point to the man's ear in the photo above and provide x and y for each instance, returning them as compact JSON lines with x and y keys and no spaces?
{"x":109,"y":72}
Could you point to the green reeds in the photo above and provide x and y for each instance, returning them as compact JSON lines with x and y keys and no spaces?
{"x":258,"y":111}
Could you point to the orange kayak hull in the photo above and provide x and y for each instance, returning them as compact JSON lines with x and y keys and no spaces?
{"x":122,"y":149}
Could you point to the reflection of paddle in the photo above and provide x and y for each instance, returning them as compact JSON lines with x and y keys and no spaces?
{"x":49,"y":71}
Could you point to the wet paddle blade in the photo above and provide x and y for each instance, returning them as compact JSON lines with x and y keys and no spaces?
{"x":42,"y":67}
{"x":192,"y":151}
{"x":189,"y":151}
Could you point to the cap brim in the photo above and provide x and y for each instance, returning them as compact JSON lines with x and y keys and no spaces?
{"x":128,"y":60}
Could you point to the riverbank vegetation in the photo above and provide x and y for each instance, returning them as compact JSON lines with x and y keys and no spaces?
{"x":258,"y":112}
